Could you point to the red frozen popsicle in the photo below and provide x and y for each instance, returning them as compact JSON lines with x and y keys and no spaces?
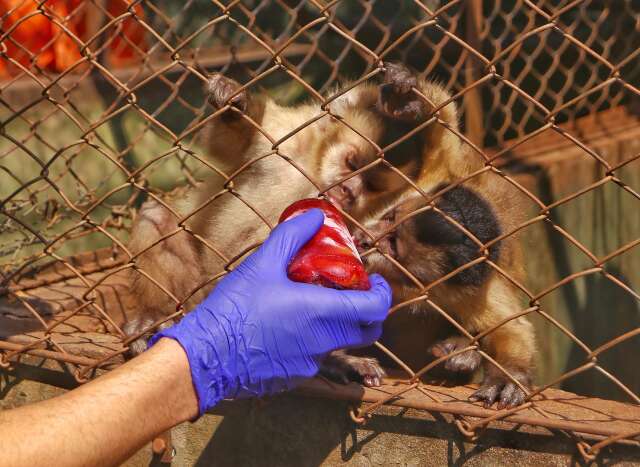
{"x":330,"y":258}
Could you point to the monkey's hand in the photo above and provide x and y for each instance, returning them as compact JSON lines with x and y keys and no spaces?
{"x":496,"y":386}
{"x":463,"y":362}
{"x":397,"y":98}
{"x":341,"y":367}
{"x":260,"y":333}
{"x":225,"y":91}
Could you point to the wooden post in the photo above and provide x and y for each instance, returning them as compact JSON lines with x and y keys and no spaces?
{"x":474,"y":115}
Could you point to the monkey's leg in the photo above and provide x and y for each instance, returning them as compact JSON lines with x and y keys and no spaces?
{"x":511,"y":346}
{"x":172,"y":264}
{"x":465,"y":362}
{"x":341,"y":367}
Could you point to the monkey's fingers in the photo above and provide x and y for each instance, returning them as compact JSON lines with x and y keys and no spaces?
{"x":343,"y":368}
{"x":511,"y":396}
{"x":133,"y":327}
{"x":465,"y":362}
{"x":406,"y":108}
{"x":138,"y":346}
{"x":224,"y":91}
{"x":371,"y":372}
{"x":487,"y":394}
{"x":137,"y":325}
{"x":399,"y":78}
{"x":506,"y":393}
{"x":442,"y":348}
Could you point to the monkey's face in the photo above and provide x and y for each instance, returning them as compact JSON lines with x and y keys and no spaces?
{"x":428,"y":241}
{"x":348,"y":148}
{"x":352,"y":149}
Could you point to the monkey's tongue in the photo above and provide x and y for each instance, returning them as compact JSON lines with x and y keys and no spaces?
{"x":330,"y":258}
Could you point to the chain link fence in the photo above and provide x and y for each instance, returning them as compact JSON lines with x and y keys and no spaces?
{"x":102,"y":107}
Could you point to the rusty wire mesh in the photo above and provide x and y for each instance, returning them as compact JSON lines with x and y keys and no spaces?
{"x":120,"y":116}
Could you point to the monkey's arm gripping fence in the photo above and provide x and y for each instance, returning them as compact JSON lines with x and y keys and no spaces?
{"x":104,"y":108}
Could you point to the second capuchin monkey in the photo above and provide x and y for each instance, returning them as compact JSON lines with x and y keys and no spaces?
{"x":424,"y":240}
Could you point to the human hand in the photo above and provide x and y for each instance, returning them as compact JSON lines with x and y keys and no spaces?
{"x":260,"y":333}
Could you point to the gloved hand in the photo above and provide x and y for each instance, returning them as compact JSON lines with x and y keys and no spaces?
{"x":259,"y":333}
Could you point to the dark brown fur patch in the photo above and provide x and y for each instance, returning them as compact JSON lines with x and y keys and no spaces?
{"x":476,"y":215}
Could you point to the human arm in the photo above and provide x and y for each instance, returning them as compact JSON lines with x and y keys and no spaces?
{"x":106,"y":420}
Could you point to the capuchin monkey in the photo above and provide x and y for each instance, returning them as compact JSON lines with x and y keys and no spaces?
{"x":429,"y":244}
{"x":277,"y":155}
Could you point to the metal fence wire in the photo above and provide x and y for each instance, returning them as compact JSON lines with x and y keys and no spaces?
{"x":102,"y":107}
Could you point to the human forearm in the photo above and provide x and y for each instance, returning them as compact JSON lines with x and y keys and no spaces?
{"x":113,"y":416}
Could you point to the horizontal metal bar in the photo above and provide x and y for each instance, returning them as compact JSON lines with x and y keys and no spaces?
{"x":355,"y":393}
{"x":55,"y":355}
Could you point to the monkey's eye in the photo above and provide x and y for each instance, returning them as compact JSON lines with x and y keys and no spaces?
{"x":351,"y":161}
{"x":390,"y":216}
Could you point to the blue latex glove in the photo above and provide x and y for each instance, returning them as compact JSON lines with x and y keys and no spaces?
{"x":259,"y":333}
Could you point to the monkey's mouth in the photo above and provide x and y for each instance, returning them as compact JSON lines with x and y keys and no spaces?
{"x":386,"y":245}
{"x":389,"y":245}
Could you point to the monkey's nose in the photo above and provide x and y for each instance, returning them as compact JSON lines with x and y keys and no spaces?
{"x":341,"y":196}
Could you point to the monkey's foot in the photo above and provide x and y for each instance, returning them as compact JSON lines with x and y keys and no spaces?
{"x":465,"y":362}
{"x":397,"y":100}
{"x":343,"y":368}
{"x":224,"y":91}
{"x":502,"y":389}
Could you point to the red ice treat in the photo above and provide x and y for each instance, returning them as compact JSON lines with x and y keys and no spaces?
{"x":330,"y":258}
